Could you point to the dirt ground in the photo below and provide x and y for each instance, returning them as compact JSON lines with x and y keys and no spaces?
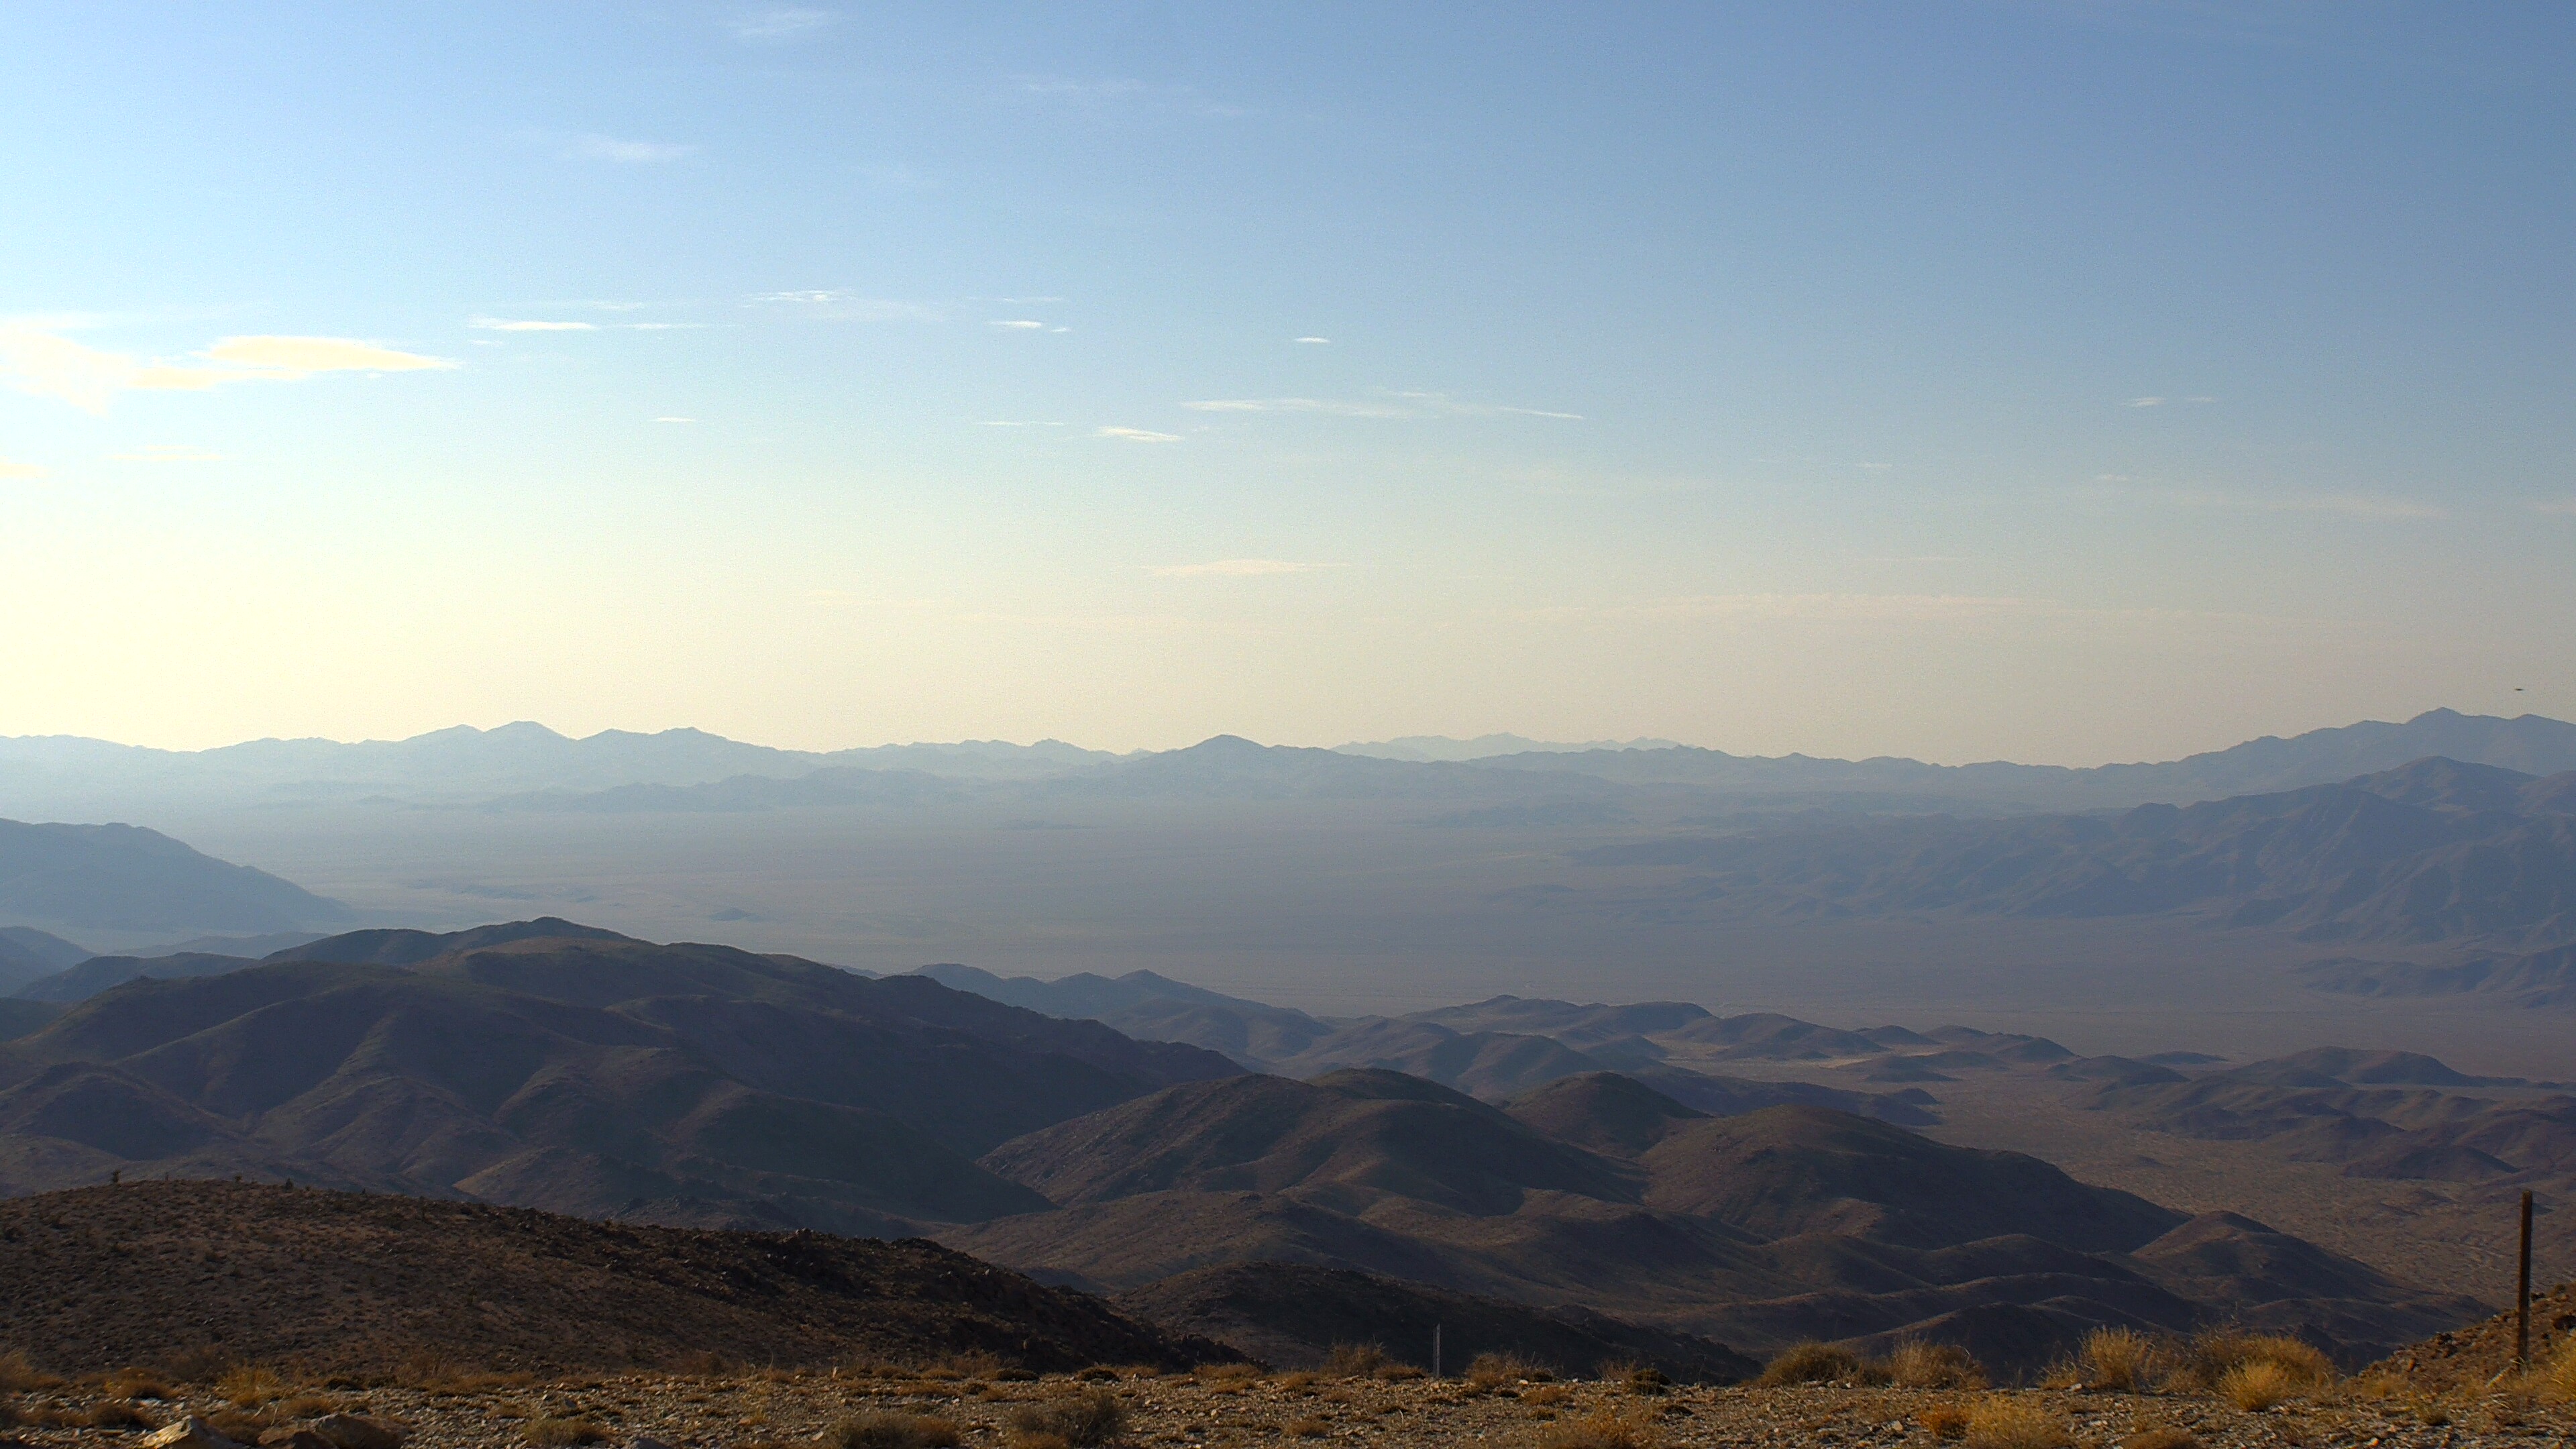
{"x":1223,"y":1408}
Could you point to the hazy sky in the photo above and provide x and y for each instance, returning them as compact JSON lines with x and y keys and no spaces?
{"x":2064,"y":382}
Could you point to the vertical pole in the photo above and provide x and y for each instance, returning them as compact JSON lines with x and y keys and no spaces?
{"x":1435,"y":1352}
{"x":2522,"y":1293}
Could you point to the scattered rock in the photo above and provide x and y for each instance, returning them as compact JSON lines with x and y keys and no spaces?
{"x":352,"y":1431}
{"x":188,"y":1433}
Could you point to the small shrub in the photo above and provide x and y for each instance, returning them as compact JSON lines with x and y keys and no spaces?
{"x":1308,"y":1428}
{"x":1353,"y":1360}
{"x":18,"y":1375}
{"x":135,"y":1383}
{"x":2257,"y":1384}
{"x":1917,"y":1365}
{"x":2558,"y":1379}
{"x":1096,"y":1374}
{"x":891,"y":1431}
{"x":1227,"y":1373}
{"x":1393,"y":1372}
{"x":2121,"y":1360}
{"x":1487,"y":1372}
{"x":1636,"y":1378}
{"x":2163,"y":1436}
{"x":1944,"y":1421}
{"x":550,"y":1432}
{"x":1604,"y":1429}
{"x":2010,"y":1423}
{"x":240,"y":1426}
{"x":1810,"y":1363}
{"x":1295,"y":1383}
{"x":1083,"y":1420}
{"x":252,"y":1388}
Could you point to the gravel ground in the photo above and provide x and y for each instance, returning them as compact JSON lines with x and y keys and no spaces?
{"x":783,"y":1409}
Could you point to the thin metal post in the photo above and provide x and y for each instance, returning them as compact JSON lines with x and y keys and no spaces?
{"x":2522,"y":1293}
{"x":1435,"y":1349}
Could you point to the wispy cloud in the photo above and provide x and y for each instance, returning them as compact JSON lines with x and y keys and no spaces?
{"x":1236,"y":568}
{"x":847,"y":306}
{"x":518,"y":324}
{"x":1135,"y":435}
{"x":45,"y":364}
{"x":782,"y":22}
{"x":169,"y":453}
{"x":2157,"y":402}
{"x":1017,"y":324}
{"x":9,"y":469}
{"x":1395,"y":405}
{"x":1314,"y":341}
{"x":675,"y":420}
{"x":595,"y":147}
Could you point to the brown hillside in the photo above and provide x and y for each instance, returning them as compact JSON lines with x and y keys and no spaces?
{"x":152,"y":1273}
{"x":2476,"y":1355}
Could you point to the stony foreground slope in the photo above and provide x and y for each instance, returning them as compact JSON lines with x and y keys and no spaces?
{"x":154,"y":1273}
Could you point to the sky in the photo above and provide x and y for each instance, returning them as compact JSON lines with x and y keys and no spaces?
{"x":2063,"y":382}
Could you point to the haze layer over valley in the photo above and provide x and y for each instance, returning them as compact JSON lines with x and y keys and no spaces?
{"x":2354,"y":889}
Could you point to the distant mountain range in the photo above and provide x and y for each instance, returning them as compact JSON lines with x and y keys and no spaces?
{"x":526,"y":766}
{"x":2435,"y":851}
{"x":123,"y":878}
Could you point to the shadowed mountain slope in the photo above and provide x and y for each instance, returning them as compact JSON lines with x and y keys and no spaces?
{"x":328,"y":1282}
{"x":588,"y":1074}
{"x":1291,"y":1316}
{"x":1757,"y":1229}
{"x":98,"y":973}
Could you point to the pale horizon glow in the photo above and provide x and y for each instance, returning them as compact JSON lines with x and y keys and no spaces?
{"x":2064,"y":384}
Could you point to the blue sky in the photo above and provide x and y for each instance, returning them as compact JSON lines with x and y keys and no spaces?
{"x":2061,"y":382}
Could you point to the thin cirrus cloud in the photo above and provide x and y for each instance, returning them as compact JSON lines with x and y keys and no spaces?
{"x":2157,"y":402}
{"x":1236,"y":568}
{"x":592,"y":146}
{"x":47,"y":364}
{"x":1135,"y":435}
{"x":1314,"y":341}
{"x":782,"y":22}
{"x":846,"y":306}
{"x":1397,"y":405}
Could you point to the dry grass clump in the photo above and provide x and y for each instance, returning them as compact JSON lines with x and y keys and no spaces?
{"x":2212,"y":1357}
{"x":1226,"y":1373}
{"x":1365,"y":1361}
{"x":135,"y":1383}
{"x":2163,"y":1436}
{"x":2557,"y":1378}
{"x":1917,"y":1365}
{"x":1308,"y":1428}
{"x":251,"y":1387}
{"x":548,"y":1431}
{"x":891,"y":1431}
{"x":1603,"y":1429}
{"x":2257,"y":1384}
{"x":18,"y":1374}
{"x":1810,"y":1363}
{"x":2005,"y":1422}
{"x":1547,"y":1396}
{"x":1491,"y":1371}
{"x":1944,"y":1421}
{"x":2122,"y":1360}
{"x":1081,"y":1420}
